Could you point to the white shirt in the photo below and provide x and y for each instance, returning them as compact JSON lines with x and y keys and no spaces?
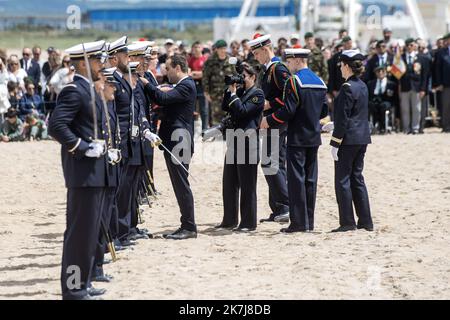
{"x":181,"y":80}
{"x":412,"y":55}
{"x":382,"y":59}
{"x":380,"y":88}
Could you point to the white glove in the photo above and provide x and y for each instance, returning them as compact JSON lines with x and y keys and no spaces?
{"x":334,"y":153}
{"x":153,"y":138}
{"x":113,"y":155}
{"x":95,"y":150}
{"x":328,"y":127}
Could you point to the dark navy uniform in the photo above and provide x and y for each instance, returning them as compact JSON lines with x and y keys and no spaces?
{"x":351,"y":135}
{"x":122,"y":98}
{"x":246,"y":111}
{"x":273,"y":82}
{"x":109,"y":212}
{"x":138,"y":147}
{"x":87,"y":180}
{"x":179,"y":106}
{"x":305,"y":104}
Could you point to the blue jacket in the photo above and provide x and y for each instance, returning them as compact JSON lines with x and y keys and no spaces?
{"x":305,"y":104}
{"x":351,"y":114}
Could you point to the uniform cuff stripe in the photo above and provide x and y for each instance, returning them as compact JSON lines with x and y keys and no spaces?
{"x":233,"y":102}
{"x":279,"y":101}
{"x":336,"y":140}
{"x":276,"y":119}
{"x":76,"y":145}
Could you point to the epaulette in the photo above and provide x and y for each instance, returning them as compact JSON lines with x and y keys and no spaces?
{"x":72,"y":85}
{"x":346,"y":84}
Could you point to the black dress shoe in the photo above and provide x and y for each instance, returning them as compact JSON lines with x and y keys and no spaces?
{"x":225,"y":226}
{"x":243,"y":229}
{"x":89,"y":297}
{"x":126,"y":243}
{"x":284,"y":217}
{"x":138,"y":236}
{"x":181,"y":234}
{"x":292,"y":230}
{"x":95,"y":292}
{"x":367,"y":228}
{"x":269,"y":219}
{"x":344,"y":229}
{"x":102,"y":278}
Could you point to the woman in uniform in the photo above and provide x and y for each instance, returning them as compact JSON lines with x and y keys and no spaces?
{"x":349,"y":142}
{"x":245,"y":107}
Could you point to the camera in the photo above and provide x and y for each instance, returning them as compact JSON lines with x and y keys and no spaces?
{"x":235,"y":79}
{"x":219,"y":130}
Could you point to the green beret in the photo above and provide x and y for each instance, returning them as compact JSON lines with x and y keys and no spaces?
{"x":346,"y":38}
{"x":447,"y":36}
{"x":309,"y":35}
{"x":409,"y":41}
{"x":220,"y":44}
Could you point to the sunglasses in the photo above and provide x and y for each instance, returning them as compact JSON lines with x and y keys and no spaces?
{"x":14,"y":63}
{"x":26,"y":54}
{"x":66,"y":61}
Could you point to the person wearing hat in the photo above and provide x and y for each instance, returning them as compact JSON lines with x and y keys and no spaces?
{"x":316,"y":60}
{"x":273,"y":81}
{"x":12,"y":127}
{"x":118,"y":58}
{"x":383,"y":97}
{"x":78,"y":124}
{"x":413,"y":86}
{"x":380,"y":58}
{"x":387,"y":35}
{"x":140,"y":150}
{"x":294,"y":39}
{"x":305,"y":104}
{"x":442,"y":81}
{"x":214,"y":71}
{"x":349,"y":141}
{"x":105,"y":88}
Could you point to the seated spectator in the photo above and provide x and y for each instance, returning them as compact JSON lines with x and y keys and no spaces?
{"x":383,"y":97}
{"x":30,"y":103}
{"x":13,"y":94}
{"x":34,"y":128}
{"x":12,"y":128}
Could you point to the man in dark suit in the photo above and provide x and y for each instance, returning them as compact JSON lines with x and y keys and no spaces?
{"x":77,"y":123}
{"x":413,"y":86}
{"x":443,"y":81}
{"x":381,"y":59}
{"x":31,"y":67}
{"x":177,"y":123}
{"x":383,"y":96}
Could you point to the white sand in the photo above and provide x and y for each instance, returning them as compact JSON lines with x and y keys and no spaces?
{"x":406,"y":257}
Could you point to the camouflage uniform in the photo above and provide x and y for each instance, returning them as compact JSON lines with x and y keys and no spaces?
{"x":213,"y":81}
{"x":317,"y":63}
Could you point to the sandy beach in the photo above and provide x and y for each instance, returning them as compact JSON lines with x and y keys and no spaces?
{"x":406,"y":257}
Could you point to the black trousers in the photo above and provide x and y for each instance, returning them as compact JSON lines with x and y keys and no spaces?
{"x":109,"y":207}
{"x":126,"y":199}
{"x":302,"y":173}
{"x":350,"y":187}
{"x":84,"y":212}
{"x":276,"y":177}
{"x":181,"y":187}
{"x":239,"y":177}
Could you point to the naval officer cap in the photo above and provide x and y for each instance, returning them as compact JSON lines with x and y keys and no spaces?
{"x":259,"y":41}
{"x":108,"y":73}
{"x":137,"y":48}
{"x":351,"y":55}
{"x":94,"y":50}
{"x":120,"y":45}
{"x":133,"y":66}
{"x":296,"y":53}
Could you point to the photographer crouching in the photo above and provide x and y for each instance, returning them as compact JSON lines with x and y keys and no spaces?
{"x":244,"y":103}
